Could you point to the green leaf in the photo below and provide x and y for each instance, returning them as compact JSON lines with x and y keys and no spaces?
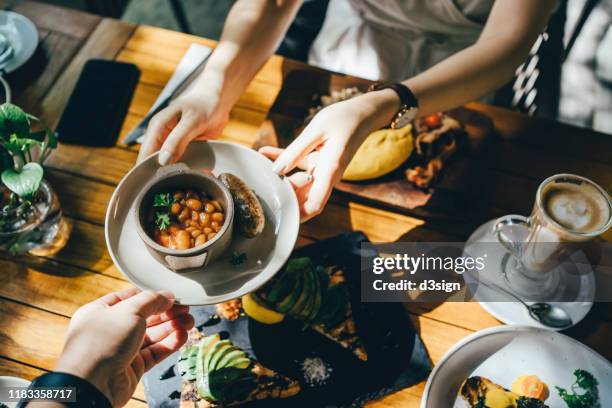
{"x":162,"y":200}
{"x":26,"y":182}
{"x":162,"y":220}
{"x":583,"y":393}
{"x":238,"y":258}
{"x":13,"y":121}
{"x":23,"y":143}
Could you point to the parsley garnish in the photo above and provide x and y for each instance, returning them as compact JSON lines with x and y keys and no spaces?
{"x":162,"y":220}
{"x":588,"y":397}
{"x":238,"y":258}
{"x":163,"y":201}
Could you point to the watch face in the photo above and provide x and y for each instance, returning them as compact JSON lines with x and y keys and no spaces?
{"x":405,"y":117}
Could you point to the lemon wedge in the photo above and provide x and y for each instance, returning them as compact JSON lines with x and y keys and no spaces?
{"x":260,"y":313}
{"x":382,"y":152}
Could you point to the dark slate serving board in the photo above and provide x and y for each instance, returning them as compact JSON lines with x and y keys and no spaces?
{"x":396,"y":355}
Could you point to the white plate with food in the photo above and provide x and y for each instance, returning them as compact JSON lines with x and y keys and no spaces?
{"x":517,"y":366}
{"x":8,"y":381}
{"x":239,"y":268}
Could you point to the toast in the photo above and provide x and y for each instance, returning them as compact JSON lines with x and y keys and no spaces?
{"x":314,"y":295}
{"x":253,"y":381}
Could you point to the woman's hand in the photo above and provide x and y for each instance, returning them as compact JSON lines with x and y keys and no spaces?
{"x":113,"y":341}
{"x":194,"y":116}
{"x":325,"y":147}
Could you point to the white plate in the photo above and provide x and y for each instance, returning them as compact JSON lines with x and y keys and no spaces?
{"x":7,"y":381}
{"x":220,"y":280}
{"x":23,"y":36}
{"x":503,"y":353}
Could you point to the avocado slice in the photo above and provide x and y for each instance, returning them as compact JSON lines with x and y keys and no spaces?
{"x":317,"y":297}
{"x":242,"y":362}
{"x":293,"y":270}
{"x":281,"y":288}
{"x":214,"y":353}
{"x":229,"y":357}
{"x":311,"y":291}
{"x":219,"y":353}
{"x":201,"y":375}
{"x":186,"y":365}
{"x":323,"y":284}
{"x":217,"y":364}
{"x":289,"y":301}
{"x":299,"y":264}
{"x":304,"y":298}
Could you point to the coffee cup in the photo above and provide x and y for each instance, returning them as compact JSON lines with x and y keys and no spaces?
{"x":569,"y":211}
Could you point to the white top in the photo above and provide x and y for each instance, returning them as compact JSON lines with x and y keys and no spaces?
{"x":393,"y":39}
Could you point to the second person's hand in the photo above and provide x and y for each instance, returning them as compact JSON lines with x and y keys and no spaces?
{"x":112,"y":341}
{"x":328,"y":143}
{"x":193,"y":116}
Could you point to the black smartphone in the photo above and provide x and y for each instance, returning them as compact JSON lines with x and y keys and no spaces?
{"x":98,"y":105}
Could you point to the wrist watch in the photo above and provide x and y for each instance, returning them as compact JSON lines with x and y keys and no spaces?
{"x":409,"y":104}
{"x":77,"y":391}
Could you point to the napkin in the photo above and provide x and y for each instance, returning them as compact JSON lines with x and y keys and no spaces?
{"x":194,"y":55}
{"x":396,"y":355}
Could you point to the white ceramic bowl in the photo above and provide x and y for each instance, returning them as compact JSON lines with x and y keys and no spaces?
{"x":221,"y":280}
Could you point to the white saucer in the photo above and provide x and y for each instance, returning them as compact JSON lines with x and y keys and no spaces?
{"x":508,"y":310}
{"x":8,"y":381}
{"x":220,"y":280}
{"x":23,"y":36}
{"x":503,"y":353}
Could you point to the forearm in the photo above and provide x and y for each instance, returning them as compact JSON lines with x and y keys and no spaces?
{"x":252,"y":32}
{"x":466,"y":76}
{"x":491,"y":62}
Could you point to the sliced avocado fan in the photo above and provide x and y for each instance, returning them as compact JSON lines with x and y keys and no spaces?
{"x":220,"y":369}
{"x":303,"y":291}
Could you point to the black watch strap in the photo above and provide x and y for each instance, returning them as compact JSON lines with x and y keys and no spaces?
{"x":407,"y":97}
{"x":87,"y":395}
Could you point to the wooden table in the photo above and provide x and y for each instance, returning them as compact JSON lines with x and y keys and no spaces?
{"x":38,"y":296}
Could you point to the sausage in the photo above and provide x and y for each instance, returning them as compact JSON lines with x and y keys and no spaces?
{"x":250,"y":217}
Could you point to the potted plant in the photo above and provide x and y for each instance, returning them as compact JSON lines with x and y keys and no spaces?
{"x":30,"y":215}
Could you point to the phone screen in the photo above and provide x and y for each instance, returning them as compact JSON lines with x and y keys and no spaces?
{"x":99,"y":103}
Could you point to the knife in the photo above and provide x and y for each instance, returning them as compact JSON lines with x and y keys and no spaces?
{"x":141,"y":128}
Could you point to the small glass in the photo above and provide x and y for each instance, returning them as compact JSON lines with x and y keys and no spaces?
{"x":36,"y":227}
{"x":532,"y":270}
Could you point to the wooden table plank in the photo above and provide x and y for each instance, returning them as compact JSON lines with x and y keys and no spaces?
{"x":548,"y":135}
{"x":105,"y":42}
{"x":34,"y":80}
{"x":58,"y":291}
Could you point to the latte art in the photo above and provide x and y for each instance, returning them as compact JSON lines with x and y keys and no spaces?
{"x":578,"y":207}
